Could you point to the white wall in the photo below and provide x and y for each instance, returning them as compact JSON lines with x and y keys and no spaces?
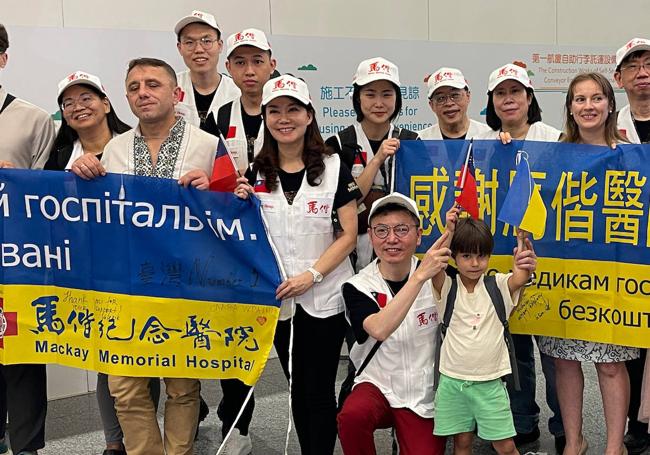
{"x":558,"y":22}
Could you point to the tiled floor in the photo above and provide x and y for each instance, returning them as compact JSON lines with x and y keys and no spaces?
{"x":74,"y":428}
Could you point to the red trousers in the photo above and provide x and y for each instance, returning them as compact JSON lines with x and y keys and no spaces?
{"x":366,"y":409}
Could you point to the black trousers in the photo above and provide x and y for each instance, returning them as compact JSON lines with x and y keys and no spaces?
{"x":316,"y":350}
{"x":24,"y":397}
{"x":234,"y":394}
{"x":635,"y":370}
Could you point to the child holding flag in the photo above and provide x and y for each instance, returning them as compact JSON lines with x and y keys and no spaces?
{"x":474,"y":355}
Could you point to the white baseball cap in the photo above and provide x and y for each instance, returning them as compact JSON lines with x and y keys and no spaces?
{"x":509,"y":72}
{"x":394,"y":198}
{"x":249,"y":37}
{"x":285,"y":85}
{"x":197,"y":16}
{"x":80,"y":77}
{"x":635,"y":44}
{"x":376,"y":69}
{"x":445,"y":77}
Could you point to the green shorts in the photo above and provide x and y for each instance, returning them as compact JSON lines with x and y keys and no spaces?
{"x":462,"y":405}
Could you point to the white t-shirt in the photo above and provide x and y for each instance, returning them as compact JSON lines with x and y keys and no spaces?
{"x":474,"y":347}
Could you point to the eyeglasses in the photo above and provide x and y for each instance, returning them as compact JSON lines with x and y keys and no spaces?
{"x":84,"y":100}
{"x":400,"y":230}
{"x":634,"y":68}
{"x":206,"y":43}
{"x":442,"y":99}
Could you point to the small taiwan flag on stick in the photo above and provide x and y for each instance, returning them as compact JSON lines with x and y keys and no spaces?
{"x":468,"y":198}
{"x":224,"y":172}
{"x":524,"y":207}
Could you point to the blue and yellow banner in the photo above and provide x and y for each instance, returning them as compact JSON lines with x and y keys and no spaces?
{"x":593,"y":274}
{"x":134,"y":276}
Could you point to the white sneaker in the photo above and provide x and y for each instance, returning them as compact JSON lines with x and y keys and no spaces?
{"x":238,"y":444}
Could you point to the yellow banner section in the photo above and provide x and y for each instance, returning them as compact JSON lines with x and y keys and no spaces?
{"x":588,"y":300}
{"x":135,"y":336}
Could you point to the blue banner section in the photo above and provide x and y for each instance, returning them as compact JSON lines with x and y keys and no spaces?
{"x":134,"y":235}
{"x":597,"y":198}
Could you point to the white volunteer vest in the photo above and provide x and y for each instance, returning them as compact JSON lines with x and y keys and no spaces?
{"x":301,"y":233}
{"x":364,"y":143}
{"x":403,"y":366}
{"x":238,"y":144}
{"x":186,"y":108}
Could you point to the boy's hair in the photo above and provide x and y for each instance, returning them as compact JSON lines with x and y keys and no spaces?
{"x":472,"y":236}
{"x":393,"y":207}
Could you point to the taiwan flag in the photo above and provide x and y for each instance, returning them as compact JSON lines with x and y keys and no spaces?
{"x":224,"y":172}
{"x":468,"y":198}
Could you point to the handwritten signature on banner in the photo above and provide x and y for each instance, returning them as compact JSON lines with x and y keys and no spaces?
{"x":161,"y":282}
{"x":592,"y":278}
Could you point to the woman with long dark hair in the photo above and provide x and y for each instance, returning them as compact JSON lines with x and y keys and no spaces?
{"x":590,"y":119}
{"x":88,"y":120}
{"x":309,"y":201}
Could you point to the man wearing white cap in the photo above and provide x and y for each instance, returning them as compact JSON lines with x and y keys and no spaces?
{"x":203,"y":88}
{"x":633,"y":75}
{"x":367,"y":146}
{"x":26,"y":136}
{"x":240,"y":122}
{"x":391,"y":308}
{"x":251,"y":65}
{"x":163,"y":145}
{"x":449,"y":98}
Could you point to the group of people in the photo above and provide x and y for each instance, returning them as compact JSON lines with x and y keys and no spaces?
{"x":269,"y":124}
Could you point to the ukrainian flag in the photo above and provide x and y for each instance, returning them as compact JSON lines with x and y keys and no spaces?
{"x":523,"y":206}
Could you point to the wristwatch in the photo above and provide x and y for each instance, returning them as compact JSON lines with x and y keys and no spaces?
{"x":318,"y":277}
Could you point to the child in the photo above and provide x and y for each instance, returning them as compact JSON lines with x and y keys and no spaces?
{"x":474,"y":356}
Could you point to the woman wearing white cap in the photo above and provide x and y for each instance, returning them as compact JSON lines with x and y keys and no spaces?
{"x":513,"y":113}
{"x":513,"y":109}
{"x":88,"y":122}
{"x":366,"y":146}
{"x":309,"y":201}
{"x":590,"y":119}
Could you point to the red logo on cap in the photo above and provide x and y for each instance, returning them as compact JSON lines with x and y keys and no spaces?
{"x":507,"y":71}
{"x":376,"y":67}
{"x":285,"y":84}
{"x":441,"y":76}
{"x":197,"y":14}
{"x":244,"y":36}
